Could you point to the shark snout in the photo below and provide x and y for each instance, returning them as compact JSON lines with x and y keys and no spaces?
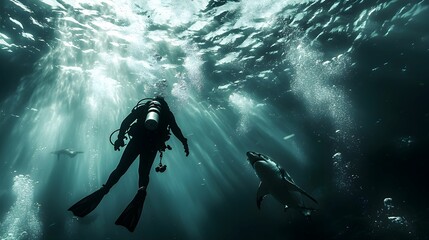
{"x":253,"y":157}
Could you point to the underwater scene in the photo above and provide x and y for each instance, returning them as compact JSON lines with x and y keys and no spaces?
{"x":268,"y":119}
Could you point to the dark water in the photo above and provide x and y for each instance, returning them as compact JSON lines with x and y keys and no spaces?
{"x":334,"y":91}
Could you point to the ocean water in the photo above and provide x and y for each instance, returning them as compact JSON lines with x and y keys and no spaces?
{"x":336,"y":92}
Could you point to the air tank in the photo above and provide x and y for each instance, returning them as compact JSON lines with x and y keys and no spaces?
{"x":152,"y":117}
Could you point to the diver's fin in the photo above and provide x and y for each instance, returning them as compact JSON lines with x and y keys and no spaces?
{"x":131,"y":215}
{"x":294,"y":187}
{"x":260,"y":194}
{"x":88,"y":203}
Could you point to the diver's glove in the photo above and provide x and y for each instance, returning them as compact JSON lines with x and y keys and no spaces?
{"x":119,"y":143}
{"x":186,"y":147}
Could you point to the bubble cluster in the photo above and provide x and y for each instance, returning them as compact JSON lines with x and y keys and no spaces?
{"x":314,"y":83}
{"x":244,"y":106}
{"x":391,"y":217}
{"x":341,"y":170}
{"x":22,"y":220}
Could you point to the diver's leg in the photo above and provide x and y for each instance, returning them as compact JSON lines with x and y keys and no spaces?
{"x":90,"y":202}
{"x":131,"y":215}
{"x":130,"y":154}
{"x":146,"y":161}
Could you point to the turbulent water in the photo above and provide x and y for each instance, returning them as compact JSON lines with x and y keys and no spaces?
{"x":336,"y":92}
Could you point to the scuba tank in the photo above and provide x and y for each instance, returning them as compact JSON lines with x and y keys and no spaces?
{"x":152,"y":117}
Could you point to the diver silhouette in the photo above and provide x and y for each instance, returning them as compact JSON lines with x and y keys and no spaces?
{"x":153,"y":121}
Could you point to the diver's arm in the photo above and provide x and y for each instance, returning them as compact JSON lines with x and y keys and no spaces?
{"x":178,"y":133}
{"x":176,"y":130}
{"x":126,"y":124}
{"x":124,"y":127}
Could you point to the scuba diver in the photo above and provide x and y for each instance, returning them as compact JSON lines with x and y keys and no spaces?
{"x":153,"y":121}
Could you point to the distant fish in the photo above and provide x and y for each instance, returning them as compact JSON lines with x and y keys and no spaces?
{"x":67,"y":152}
{"x":289,"y":136}
{"x":277,"y":182}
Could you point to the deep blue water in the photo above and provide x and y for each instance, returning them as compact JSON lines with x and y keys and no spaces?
{"x":336,"y":92}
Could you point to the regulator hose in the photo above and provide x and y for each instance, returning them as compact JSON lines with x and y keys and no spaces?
{"x":139,"y":103}
{"x":110,"y":138}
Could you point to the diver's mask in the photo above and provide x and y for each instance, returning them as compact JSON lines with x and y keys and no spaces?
{"x":152,"y":118}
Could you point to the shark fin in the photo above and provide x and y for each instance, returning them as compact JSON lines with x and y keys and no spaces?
{"x":261,"y":193}
{"x":294,"y":187}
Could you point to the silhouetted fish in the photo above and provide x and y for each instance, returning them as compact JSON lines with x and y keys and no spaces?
{"x":67,"y":152}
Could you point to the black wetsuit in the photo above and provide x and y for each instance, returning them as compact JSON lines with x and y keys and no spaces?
{"x":144,"y":142}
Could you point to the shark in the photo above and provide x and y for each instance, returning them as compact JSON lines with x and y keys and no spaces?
{"x":66,"y":152}
{"x":278,"y":183}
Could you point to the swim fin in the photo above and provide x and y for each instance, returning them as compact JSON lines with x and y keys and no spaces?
{"x":131,"y":215}
{"x":88,"y":203}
